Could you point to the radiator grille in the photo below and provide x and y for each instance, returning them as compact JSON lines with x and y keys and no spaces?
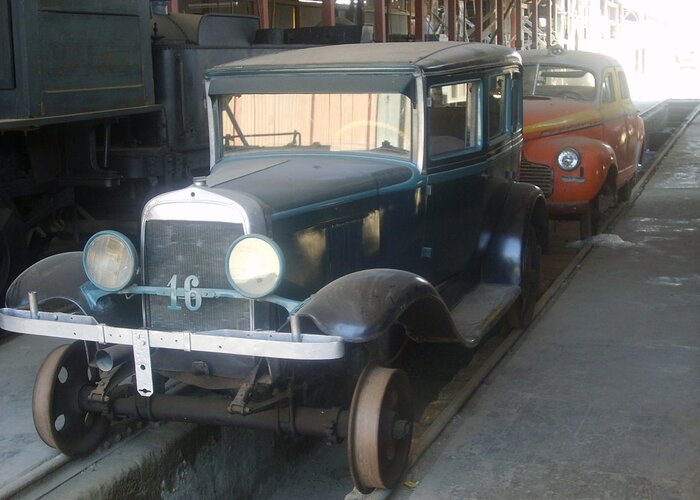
{"x":539,"y":175}
{"x":191,"y":248}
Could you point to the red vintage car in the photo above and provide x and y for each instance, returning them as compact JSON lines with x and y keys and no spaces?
{"x":583,"y":136}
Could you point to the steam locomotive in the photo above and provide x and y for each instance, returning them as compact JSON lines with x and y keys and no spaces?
{"x":102,"y":106}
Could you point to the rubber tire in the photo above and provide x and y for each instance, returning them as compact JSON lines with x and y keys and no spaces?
{"x":520,"y":315}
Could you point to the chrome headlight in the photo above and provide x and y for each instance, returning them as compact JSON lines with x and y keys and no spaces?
{"x":110,"y":260}
{"x":254,"y":265}
{"x":568,"y":159}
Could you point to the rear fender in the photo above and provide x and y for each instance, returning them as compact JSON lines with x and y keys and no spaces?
{"x":524,"y":204}
{"x":62,"y":277}
{"x":362,"y":306}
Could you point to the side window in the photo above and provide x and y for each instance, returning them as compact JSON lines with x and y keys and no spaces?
{"x":608,"y":89}
{"x":454,"y":123}
{"x":498,"y":105}
{"x":517,"y":97}
{"x":624,"y":89}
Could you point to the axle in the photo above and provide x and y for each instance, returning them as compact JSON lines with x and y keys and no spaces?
{"x":331,"y":423}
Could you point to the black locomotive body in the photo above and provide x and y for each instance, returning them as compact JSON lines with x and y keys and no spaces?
{"x":102,"y":106}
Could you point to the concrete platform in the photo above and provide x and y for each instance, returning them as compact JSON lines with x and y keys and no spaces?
{"x":601,"y":397}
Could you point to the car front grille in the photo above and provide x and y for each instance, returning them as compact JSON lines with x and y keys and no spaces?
{"x":184,"y":248}
{"x":539,"y":175}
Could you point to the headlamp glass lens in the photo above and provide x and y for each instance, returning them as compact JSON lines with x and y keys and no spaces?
{"x":568,"y":159}
{"x":255,"y":266}
{"x":110,"y":261}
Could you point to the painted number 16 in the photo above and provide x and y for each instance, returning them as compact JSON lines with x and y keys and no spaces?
{"x":193,"y":299}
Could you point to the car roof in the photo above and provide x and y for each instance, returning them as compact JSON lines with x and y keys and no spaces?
{"x":589,"y":60}
{"x":428,"y":56}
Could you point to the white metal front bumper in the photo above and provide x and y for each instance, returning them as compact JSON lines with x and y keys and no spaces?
{"x":269,"y":344}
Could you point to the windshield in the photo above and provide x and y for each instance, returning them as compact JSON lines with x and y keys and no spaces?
{"x":364,"y":122}
{"x":559,"y":81}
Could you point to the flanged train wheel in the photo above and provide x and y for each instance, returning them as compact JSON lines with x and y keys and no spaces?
{"x":57,"y":416}
{"x":380,"y":428}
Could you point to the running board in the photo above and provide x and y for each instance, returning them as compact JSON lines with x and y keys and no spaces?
{"x":481,"y":309}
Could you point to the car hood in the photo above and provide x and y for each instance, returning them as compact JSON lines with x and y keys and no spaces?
{"x":286,"y":182}
{"x":552,"y":115}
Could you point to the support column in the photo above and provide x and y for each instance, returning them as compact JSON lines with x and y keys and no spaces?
{"x":534,"y":22}
{"x":518,"y":24}
{"x":419,"y":13}
{"x":297,"y":16}
{"x":328,"y":12}
{"x":478,"y":20}
{"x":548,"y":25}
{"x":499,"y":22}
{"x":380,"y":21}
{"x":262,"y":10}
{"x":174,"y":6}
{"x":452,"y":20}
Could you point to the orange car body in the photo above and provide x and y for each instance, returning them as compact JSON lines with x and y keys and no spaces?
{"x":597,"y":120}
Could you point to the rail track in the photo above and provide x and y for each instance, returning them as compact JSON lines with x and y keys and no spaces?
{"x":439,"y":408}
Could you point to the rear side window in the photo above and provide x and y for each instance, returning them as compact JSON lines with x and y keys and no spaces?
{"x":517,"y":99}
{"x":454,"y":118}
{"x":608,"y":89}
{"x":498,"y":105}
{"x":624,"y":89}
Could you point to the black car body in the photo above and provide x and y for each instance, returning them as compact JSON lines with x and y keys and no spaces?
{"x":354,"y":191}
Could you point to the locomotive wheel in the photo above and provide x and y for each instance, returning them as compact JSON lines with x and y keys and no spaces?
{"x":58,"y":418}
{"x":522,"y":311}
{"x":380,"y":428}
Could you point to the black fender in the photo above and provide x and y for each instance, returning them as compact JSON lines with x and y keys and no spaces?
{"x":362,"y":306}
{"x":524,"y":204}
{"x":62,"y":277}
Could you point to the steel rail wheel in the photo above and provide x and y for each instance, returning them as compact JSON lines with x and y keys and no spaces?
{"x":380,"y":428}
{"x":58,"y":418}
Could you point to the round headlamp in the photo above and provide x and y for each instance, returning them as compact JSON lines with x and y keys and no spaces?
{"x":254,"y":265}
{"x":568,"y":159}
{"x":110,"y":260}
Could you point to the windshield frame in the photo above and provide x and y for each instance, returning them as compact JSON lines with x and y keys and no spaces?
{"x":389,"y":80}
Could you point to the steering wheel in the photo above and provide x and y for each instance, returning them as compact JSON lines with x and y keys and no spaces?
{"x":366,"y":124}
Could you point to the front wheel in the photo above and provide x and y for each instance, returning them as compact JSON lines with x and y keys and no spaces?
{"x":530,"y":279}
{"x":58,"y":418}
{"x":380,"y":428}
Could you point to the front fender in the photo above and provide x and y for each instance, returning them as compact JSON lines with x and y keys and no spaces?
{"x":362,"y":306}
{"x":597,"y":157}
{"x":524,"y":205}
{"x":60,"y":277}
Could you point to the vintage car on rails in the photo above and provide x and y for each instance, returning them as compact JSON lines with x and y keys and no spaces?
{"x":360,"y":197}
{"x":583,"y":135}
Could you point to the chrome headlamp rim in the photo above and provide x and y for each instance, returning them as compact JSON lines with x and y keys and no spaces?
{"x":280,"y":258}
{"x":575,"y":153}
{"x":131,"y":251}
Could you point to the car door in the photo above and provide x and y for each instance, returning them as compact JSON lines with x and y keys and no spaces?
{"x":614,"y":127}
{"x":454,"y":176}
{"x":632,"y":124}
